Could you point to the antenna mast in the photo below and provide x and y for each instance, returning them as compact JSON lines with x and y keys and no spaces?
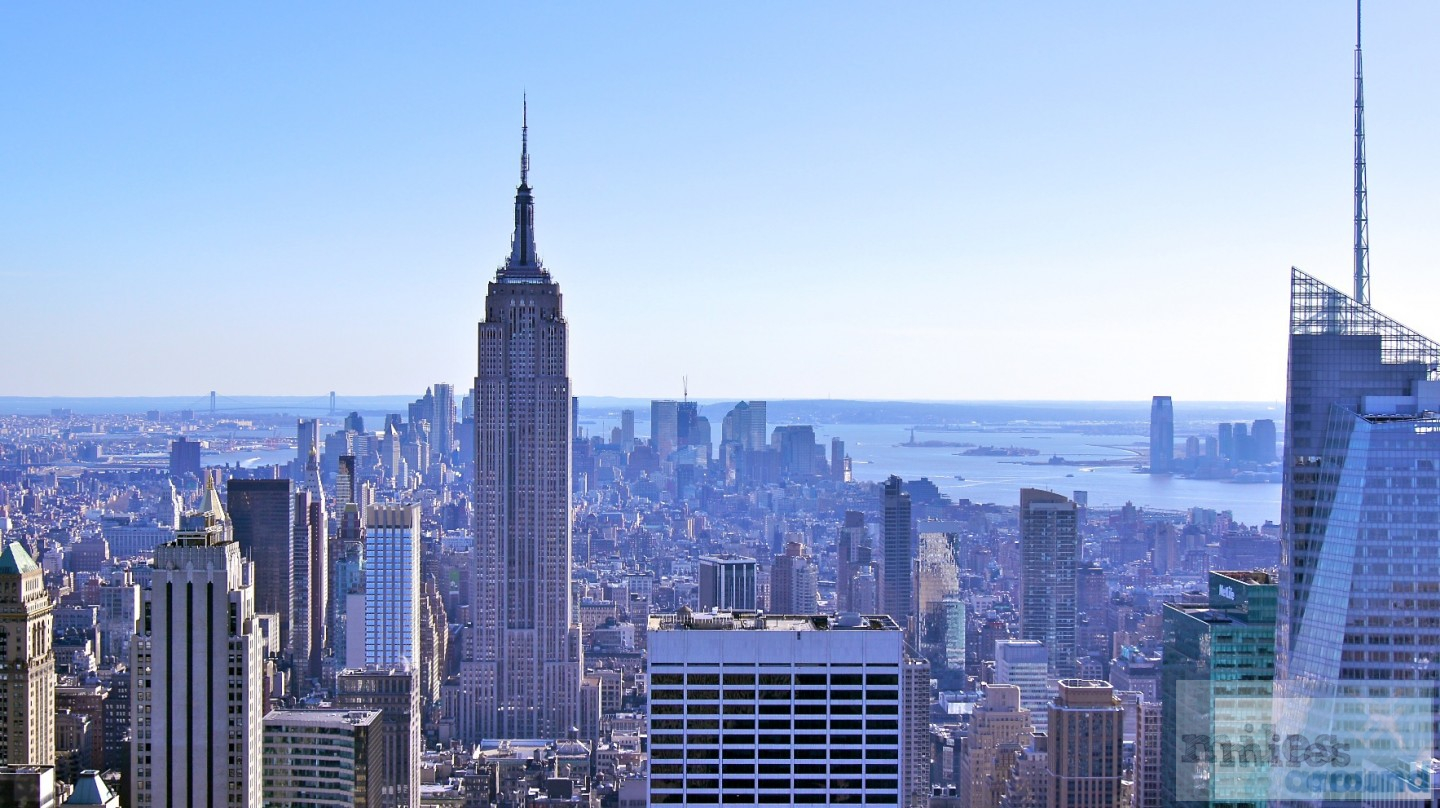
{"x":1362,"y":203}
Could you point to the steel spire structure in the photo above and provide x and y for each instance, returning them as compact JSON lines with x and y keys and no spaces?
{"x":524,"y":260}
{"x":1362,"y":204}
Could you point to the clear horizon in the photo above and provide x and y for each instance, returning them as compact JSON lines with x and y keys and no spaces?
{"x":934,"y":202}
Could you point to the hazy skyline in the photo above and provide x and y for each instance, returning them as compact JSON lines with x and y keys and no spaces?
{"x":940,"y":201}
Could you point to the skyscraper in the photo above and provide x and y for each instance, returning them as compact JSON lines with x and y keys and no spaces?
{"x":325,"y":757}
{"x":523,"y":659}
{"x":727,"y":582}
{"x":1361,"y":501}
{"x":664,"y":428}
{"x":896,"y":580}
{"x":999,"y":728}
{"x":1215,"y":653}
{"x":442,"y":429}
{"x":837,"y":460}
{"x":27,"y":689}
{"x":1262,"y":441}
{"x":196,"y":666}
{"x":307,"y":442}
{"x":794,"y":581}
{"x":392,"y":586}
{"x":310,"y":544}
{"x":627,"y":431}
{"x":1026,"y":665}
{"x":395,"y":693}
{"x":1162,"y":435}
{"x":1087,"y":733}
{"x":262,"y":516}
{"x":184,"y":458}
{"x":758,"y":430}
{"x":853,"y":552}
{"x":1049,"y":555}
{"x":796,"y":444}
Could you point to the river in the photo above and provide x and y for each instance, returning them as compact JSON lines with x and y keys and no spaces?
{"x":876,"y":453}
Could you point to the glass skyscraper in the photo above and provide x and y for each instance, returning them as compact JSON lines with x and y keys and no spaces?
{"x":392,"y":585}
{"x":1162,"y":435}
{"x":1359,"y":598}
{"x":1215,"y":654}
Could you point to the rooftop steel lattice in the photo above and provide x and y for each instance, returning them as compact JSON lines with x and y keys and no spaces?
{"x":1318,"y":308}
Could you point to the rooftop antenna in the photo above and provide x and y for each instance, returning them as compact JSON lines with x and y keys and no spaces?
{"x":525,"y":139}
{"x":1362,"y":204}
{"x":685,"y":387}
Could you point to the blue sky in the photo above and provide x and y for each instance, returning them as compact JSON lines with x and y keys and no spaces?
{"x":932,"y":201}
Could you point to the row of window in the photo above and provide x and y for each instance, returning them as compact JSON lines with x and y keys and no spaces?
{"x":660,"y":769}
{"x":773,"y":694}
{"x":659,"y":724}
{"x":737,"y":739}
{"x":774,"y":798}
{"x":734,"y":784}
{"x":776,"y":708}
{"x":776,"y":753}
{"x":821,"y":679}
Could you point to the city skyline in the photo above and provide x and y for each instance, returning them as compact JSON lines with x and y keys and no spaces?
{"x":343,"y":169}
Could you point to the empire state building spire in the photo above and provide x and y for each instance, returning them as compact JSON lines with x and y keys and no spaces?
{"x":523,"y":259}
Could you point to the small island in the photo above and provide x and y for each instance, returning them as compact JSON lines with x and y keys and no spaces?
{"x":999,"y":451}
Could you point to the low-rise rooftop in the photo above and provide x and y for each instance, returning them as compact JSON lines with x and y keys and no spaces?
{"x":722,"y":620}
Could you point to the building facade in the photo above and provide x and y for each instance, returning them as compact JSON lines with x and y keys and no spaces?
{"x":395,"y":693}
{"x":1162,"y":435}
{"x":392,"y":586}
{"x":1049,"y":556}
{"x":27,"y":690}
{"x":1086,"y":745}
{"x":322,"y":757}
{"x":1361,"y":504}
{"x":785,"y":709}
{"x":1026,"y":665}
{"x":1214,"y":652}
{"x":196,"y":668}
{"x":727,"y":581}
{"x":261,"y":513}
{"x":999,"y":729}
{"x":896,"y":580}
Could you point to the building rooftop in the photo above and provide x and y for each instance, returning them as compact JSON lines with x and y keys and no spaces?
{"x":718,"y":620}
{"x":1248,"y":576}
{"x":15,"y":561}
{"x":322,"y":718}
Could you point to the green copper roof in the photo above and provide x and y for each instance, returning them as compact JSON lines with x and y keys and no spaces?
{"x":14,"y":560}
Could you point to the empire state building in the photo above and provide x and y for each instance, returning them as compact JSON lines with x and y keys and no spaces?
{"x":521,"y":674}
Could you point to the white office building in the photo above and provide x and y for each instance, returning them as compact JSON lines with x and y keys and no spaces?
{"x":1026,"y":664}
{"x":765,"y":709}
{"x":392,"y":588}
{"x":196,"y":663}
